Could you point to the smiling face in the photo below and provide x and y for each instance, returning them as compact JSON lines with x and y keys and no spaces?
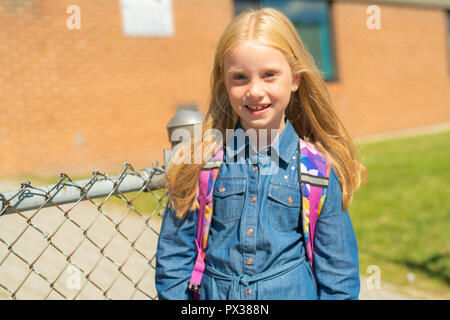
{"x":259,"y":82}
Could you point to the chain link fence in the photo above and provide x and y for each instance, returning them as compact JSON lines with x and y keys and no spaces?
{"x":85,"y":239}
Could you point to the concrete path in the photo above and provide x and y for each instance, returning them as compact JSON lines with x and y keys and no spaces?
{"x":116,"y":252}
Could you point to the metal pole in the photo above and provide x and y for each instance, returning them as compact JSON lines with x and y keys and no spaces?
{"x":30,"y":198}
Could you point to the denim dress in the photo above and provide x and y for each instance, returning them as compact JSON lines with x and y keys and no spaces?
{"x":255,"y":249}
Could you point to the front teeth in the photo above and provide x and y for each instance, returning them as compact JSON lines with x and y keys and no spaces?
{"x":257,"y":108}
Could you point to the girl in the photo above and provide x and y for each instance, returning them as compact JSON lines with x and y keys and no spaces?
{"x":264,"y":81}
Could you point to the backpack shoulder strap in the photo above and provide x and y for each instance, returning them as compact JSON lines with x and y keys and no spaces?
{"x":314,"y":172}
{"x":204,"y":204}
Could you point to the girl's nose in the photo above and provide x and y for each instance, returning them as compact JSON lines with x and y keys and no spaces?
{"x":255,"y":91}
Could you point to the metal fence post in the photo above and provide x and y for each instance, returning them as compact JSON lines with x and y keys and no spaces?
{"x":184,"y":119}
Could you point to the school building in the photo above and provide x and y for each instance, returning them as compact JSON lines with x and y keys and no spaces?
{"x":90,"y":85}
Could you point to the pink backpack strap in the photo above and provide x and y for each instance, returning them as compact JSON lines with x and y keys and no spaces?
{"x":207,"y":178}
{"x":314,"y":173}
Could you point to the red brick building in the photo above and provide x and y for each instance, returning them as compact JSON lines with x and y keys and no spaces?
{"x":94,"y":97}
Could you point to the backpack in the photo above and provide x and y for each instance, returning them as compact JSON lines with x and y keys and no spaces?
{"x":314,"y":172}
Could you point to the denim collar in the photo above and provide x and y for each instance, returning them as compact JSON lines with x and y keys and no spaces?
{"x":285,"y":145}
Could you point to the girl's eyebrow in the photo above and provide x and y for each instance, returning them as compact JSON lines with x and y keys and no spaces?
{"x":269,"y":68}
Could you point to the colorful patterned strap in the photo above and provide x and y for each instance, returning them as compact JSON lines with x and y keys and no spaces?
{"x":204,"y":204}
{"x":314,"y":172}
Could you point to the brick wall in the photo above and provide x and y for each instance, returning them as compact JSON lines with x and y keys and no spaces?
{"x":77,"y":100}
{"x":393,"y":78}
{"x":93,"y":98}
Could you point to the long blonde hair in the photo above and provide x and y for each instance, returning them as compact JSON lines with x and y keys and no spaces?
{"x":310,"y":110}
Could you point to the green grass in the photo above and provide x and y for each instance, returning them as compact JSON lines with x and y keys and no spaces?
{"x":402,"y":215}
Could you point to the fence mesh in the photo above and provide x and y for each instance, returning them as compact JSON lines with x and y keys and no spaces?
{"x":101,"y":248}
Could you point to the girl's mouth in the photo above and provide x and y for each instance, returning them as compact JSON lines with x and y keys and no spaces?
{"x":258,"y":109}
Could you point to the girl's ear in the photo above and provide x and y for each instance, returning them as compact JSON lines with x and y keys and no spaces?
{"x":296,"y":82}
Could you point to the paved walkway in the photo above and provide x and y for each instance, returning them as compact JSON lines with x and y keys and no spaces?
{"x":69,"y":282}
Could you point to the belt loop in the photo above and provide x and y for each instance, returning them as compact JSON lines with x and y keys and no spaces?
{"x":235,"y":290}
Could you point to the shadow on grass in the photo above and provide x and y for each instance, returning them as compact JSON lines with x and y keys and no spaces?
{"x":425,"y":266}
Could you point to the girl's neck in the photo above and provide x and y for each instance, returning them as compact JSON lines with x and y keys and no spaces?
{"x":267,"y":133}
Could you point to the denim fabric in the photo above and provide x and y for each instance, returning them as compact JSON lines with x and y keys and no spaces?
{"x":266,"y":230}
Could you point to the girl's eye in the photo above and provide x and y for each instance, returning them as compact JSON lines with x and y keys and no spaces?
{"x":242,"y":77}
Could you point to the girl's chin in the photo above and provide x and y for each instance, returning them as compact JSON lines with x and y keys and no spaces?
{"x":255,"y":123}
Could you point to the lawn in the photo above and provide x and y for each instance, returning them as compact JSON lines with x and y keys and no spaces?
{"x":402,"y":215}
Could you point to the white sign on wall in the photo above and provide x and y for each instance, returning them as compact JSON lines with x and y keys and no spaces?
{"x":147,"y":18}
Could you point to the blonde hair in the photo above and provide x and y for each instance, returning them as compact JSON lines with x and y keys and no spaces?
{"x":310,"y":110}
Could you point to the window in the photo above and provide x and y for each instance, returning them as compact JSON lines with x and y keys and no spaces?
{"x":312,"y":21}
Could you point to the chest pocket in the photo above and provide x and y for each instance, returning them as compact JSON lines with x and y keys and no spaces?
{"x":283,"y":206}
{"x":229,"y":193}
